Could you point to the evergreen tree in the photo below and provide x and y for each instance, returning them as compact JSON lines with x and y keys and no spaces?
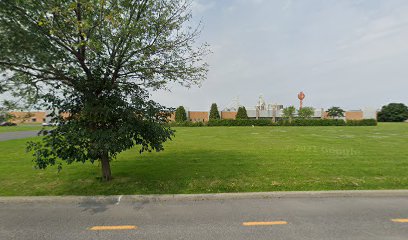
{"x":214,"y":114}
{"x":242,"y":113}
{"x":181,"y":115}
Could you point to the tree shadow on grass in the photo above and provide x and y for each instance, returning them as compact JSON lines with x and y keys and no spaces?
{"x":164,"y":173}
{"x":202,"y":171}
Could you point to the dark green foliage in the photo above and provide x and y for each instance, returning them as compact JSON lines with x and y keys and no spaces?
{"x":97,"y":61}
{"x":181,"y":115}
{"x":364,"y":122}
{"x":108,"y":124}
{"x":187,"y":124}
{"x":328,"y":122}
{"x":5,"y":117}
{"x":242,"y":113}
{"x":306,"y":112}
{"x":240,"y":122}
{"x":335,"y":112}
{"x":214,"y":114}
{"x":312,"y":122}
{"x":5,"y":107}
{"x":393,"y":112}
{"x":289,"y":112}
{"x":294,"y":122}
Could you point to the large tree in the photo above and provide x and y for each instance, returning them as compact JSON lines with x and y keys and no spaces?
{"x":288,"y":113}
{"x":306,"y":112}
{"x":393,"y":112}
{"x":335,"y":112}
{"x":93,"y":63}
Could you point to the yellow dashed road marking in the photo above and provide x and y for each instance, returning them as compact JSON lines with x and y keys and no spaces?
{"x":400,"y":220}
{"x":264,"y":223}
{"x":124,"y":227}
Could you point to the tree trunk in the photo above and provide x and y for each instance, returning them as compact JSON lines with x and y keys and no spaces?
{"x":106,"y":171}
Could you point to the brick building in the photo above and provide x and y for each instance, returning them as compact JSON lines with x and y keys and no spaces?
{"x":28,"y":117}
{"x":202,"y":116}
{"x":195,"y":116}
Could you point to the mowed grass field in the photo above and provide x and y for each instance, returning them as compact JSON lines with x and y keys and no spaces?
{"x":229,"y":159}
{"x":18,"y":128}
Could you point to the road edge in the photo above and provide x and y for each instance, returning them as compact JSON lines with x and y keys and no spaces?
{"x":116,"y":199}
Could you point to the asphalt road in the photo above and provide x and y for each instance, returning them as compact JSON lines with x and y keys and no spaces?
{"x":287,"y":218}
{"x":17,"y":135}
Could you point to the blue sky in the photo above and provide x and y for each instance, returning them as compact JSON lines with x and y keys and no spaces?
{"x":352,"y":54}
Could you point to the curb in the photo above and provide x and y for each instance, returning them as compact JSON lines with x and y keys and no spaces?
{"x":116,"y":199}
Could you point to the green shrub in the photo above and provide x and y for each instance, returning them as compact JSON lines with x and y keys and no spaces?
{"x":186,"y":124}
{"x":267,"y":122}
{"x":312,"y":122}
{"x":240,"y":122}
{"x":364,"y":122}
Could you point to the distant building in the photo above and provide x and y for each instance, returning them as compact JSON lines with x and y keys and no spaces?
{"x":354,"y":115}
{"x":28,"y":117}
{"x":202,"y":116}
{"x":274,"y":112}
{"x":195,"y":116}
{"x":262,"y":110}
{"x":33,"y":117}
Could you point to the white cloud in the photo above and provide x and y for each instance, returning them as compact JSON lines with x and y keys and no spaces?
{"x":347,"y":53}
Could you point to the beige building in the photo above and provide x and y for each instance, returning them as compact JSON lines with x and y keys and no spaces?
{"x":28,"y":117}
{"x":354,"y":115}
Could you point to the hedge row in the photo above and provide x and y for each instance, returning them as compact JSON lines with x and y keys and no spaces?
{"x":187,"y":124}
{"x":267,"y":122}
{"x":364,"y":122}
{"x":313,"y":122}
{"x":240,"y":122}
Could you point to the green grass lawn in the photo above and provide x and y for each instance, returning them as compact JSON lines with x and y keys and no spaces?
{"x":230,"y":159}
{"x":24,"y":127}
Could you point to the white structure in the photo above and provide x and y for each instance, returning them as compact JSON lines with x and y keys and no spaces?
{"x":233,"y":105}
{"x":261,"y":106}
